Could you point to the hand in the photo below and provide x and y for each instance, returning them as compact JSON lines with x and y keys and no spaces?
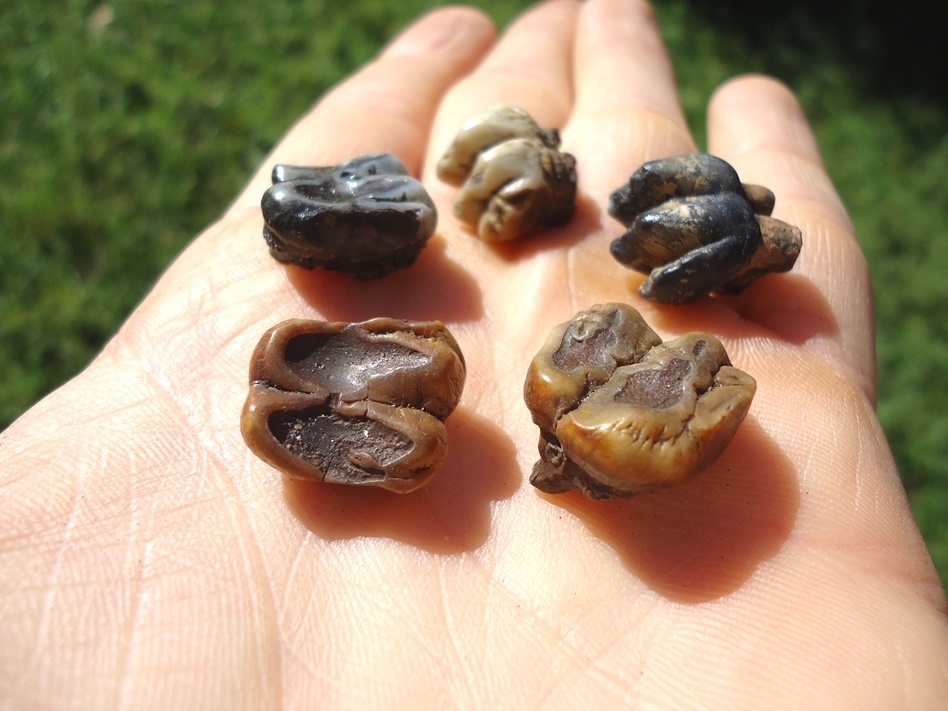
{"x":147,"y":559}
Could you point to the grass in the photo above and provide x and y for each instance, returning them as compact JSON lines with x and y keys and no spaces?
{"x":125,"y":128}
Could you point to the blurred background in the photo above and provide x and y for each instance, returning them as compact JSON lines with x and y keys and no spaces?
{"x":127,"y":126}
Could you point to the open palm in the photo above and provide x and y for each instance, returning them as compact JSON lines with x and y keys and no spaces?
{"x":148,"y":560}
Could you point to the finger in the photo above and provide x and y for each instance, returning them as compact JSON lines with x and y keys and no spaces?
{"x":529,"y":67}
{"x":757,"y":125}
{"x":627,"y":108}
{"x":388,"y":105}
{"x":626,"y":112}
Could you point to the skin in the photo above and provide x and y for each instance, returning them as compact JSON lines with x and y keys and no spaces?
{"x":149,"y":560}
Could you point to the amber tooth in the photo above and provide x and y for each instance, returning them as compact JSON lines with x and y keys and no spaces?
{"x":622,"y":413}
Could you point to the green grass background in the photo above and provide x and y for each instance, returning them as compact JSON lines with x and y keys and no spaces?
{"x":127,"y":127}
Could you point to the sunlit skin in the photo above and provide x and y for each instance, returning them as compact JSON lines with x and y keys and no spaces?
{"x":149,"y":560}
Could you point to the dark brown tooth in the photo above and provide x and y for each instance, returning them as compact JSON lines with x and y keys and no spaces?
{"x":695,"y":229}
{"x":367,"y":216}
{"x":354,"y":403}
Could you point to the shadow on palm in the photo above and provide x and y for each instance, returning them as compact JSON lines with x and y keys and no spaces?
{"x":704,"y":539}
{"x":434,"y":288}
{"x":449,"y":515}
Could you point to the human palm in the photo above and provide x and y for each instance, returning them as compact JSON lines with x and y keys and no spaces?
{"x":148,"y":559}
